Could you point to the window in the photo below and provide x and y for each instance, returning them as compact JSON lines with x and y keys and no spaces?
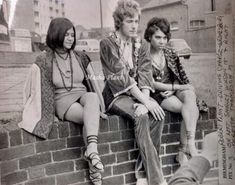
{"x":213,"y":5}
{"x":56,"y":1}
{"x":51,"y":17}
{"x":174,"y":25}
{"x":50,"y":8}
{"x":62,"y":4}
{"x":37,"y":24}
{"x":36,"y":14}
{"x":57,"y":11}
{"x":35,"y":2}
{"x":197,"y":23}
{"x":63,"y":14}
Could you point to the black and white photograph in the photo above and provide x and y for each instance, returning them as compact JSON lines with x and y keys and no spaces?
{"x":117,"y":92}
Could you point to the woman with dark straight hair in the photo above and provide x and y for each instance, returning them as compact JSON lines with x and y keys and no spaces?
{"x":58,"y":84}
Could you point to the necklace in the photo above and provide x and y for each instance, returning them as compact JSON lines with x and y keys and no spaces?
{"x":159,"y":63}
{"x":64,"y":75}
{"x":59,"y":55}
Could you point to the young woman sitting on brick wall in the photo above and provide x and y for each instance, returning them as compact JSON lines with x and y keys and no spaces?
{"x":58,"y":84}
{"x":172,"y":89}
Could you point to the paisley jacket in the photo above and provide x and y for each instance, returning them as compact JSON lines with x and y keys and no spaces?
{"x":118,"y":78}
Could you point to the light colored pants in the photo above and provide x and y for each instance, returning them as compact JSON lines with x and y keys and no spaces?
{"x":148,"y":137}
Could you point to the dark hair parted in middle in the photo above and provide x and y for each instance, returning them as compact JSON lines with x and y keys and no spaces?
{"x":155,"y":24}
{"x":56,"y":32}
{"x":125,"y":8}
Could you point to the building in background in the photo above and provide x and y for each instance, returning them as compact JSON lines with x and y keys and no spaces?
{"x":191,"y":20}
{"x":4,"y":29}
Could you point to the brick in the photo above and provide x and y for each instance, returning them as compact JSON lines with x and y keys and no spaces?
{"x":166,"y":129}
{"x":63,"y":129}
{"x":127,"y":134}
{"x":15,"y":137}
{"x":174,"y":128}
{"x":175,"y":117}
{"x":198,"y":135}
{"x":70,"y":178}
{"x":54,"y":132}
{"x":122,"y":146}
{"x":75,"y":142}
{"x":113,"y":123}
{"x":67,"y":154}
{"x":123,"y":168}
{"x":205,"y":125}
{"x":36,"y":172}
{"x":134,"y":154}
{"x":108,"y":159}
{"x":107,"y":171}
{"x":117,"y":180}
{"x":170,"y":138}
{"x":212,"y":113}
{"x":104,"y":125}
{"x":57,"y":168}
{"x":8,"y":166}
{"x":166,"y":170}
{"x":172,"y":149}
{"x":46,"y":146}
{"x":3,"y":140}
{"x":109,"y":137}
{"x":35,"y":160}
{"x":14,"y":178}
{"x":75,"y":129}
{"x":123,"y":156}
{"x":103,"y":149}
{"x":167,"y":117}
{"x":175,"y":167}
{"x":42,"y":181}
{"x":81,"y":164}
{"x":130,"y":178}
{"x":170,"y":159}
{"x":27,"y":137}
{"x":16,"y":152}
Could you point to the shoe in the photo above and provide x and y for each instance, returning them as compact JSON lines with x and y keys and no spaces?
{"x":142,"y":181}
{"x":93,"y":158}
{"x":95,"y":176}
{"x":182,"y":157}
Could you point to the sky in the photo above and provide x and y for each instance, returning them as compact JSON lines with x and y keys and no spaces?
{"x":87,"y":12}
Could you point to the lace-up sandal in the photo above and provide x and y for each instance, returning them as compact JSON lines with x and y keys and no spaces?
{"x":93,"y":158}
{"x":95,"y":176}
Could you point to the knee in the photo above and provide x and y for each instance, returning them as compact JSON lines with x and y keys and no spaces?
{"x":189,"y":95}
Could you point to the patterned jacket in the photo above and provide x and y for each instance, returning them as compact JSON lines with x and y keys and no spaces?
{"x":38,"y":113}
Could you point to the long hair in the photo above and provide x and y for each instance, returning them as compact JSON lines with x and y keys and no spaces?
{"x":125,"y":8}
{"x":56,"y":32}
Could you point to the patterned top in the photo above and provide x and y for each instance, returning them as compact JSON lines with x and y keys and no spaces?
{"x":119,"y":78}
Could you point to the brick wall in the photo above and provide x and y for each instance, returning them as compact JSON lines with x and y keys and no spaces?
{"x":27,"y":160}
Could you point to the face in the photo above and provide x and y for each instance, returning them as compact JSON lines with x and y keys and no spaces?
{"x":129,"y":26}
{"x":158,"y":40}
{"x":69,"y":39}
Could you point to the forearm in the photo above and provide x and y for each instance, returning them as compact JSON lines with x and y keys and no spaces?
{"x":146,"y":92}
{"x":135,"y":91}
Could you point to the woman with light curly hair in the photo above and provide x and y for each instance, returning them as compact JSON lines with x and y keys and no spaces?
{"x":119,"y":53}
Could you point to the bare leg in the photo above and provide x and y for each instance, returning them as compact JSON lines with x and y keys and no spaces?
{"x":87,"y":112}
{"x":190,"y":115}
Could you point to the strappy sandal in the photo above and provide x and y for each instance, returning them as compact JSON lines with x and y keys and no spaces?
{"x":93,"y":158}
{"x":95,"y":176}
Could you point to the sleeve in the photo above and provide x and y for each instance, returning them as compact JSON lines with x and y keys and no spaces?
{"x":192,"y":171}
{"x":145,"y":76}
{"x":115,"y":72}
{"x":181,"y":71}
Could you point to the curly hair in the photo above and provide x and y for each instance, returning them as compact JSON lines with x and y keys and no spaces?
{"x":155,"y":24}
{"x":125,"y":8}
{"x":56,"y":32}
